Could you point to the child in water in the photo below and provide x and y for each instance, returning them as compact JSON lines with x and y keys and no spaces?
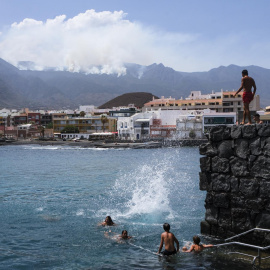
{"x":124,"y":235}
{"x":197,"y":247}
{"x":107,"y":222}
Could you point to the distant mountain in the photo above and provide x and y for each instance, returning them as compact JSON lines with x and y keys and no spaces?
{"x":51,"y":89}
{"x":137,"y":98}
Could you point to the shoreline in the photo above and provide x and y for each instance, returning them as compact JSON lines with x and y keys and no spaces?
{"x":103,"y":144}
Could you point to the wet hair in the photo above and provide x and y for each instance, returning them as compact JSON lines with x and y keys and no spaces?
{"x":166,"y":227}
{"x":109,"y":220}
{"x":257,"y":115}
{"x":245,"y":72}
{"x":124,"y":231}
{"x":196,"y":239}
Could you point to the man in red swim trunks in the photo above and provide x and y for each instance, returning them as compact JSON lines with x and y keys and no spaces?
{"x":246,"y":84}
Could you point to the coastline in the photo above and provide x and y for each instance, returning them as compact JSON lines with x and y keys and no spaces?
{"x":103,"y":144}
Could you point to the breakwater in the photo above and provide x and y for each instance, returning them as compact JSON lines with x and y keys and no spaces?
{"x":235,"y":172}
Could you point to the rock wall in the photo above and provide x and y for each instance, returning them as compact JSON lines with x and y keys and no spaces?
{"x":235,"y":172}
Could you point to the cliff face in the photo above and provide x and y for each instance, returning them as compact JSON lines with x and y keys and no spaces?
{"x":235,"y":172}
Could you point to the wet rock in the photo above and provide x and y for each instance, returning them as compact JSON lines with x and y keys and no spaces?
{"x":220,"y":182}
{"x":239,"y":167}
{"x":221,"y":200}
{"x":211,"y":215}
{"x":225,"y":149}
{"x":205,"y":181}
{"x":249,"y":187}
{"x":238,"y":202}
{"x":205,"y":228}
{"x":236,"y":132}
{"x":236,"y":175}
{"x":242,"y":148}
{"x":255,"y":204}
{"x":208,"y":149}
{"x":249,"y":131}
{"x":255,"y":146}
{"x":234,"y":184}
{"x":264,"y":131}
{"x":219,"y":133}
{"x":263,"y":220}
{"x":225,"y":218}
{"x":261,"y":167}
{"x":205,"y":164}
{"x":220,"y":165}
{"x":265,"y":189}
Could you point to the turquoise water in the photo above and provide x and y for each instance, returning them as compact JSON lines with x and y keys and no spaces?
{"x":53,"y":197}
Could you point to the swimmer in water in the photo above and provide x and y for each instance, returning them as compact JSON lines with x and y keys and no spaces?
{"x":107,"y":222}
{"x":125,"y":235}
{"x":169,"y":239}
{"x":196,"y":247}
{"x":117,"y":237}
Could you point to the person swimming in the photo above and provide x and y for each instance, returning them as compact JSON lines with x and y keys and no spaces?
{"x":197,"y":247}
{"x":107,"y":222}
{"x":125,"y":235}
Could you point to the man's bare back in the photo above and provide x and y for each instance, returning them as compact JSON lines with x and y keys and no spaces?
{"x":247,"y":83}
{"x":168,"y":239}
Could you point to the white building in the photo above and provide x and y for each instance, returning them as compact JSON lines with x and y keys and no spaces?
{"x":189,"y":125}
{"x":135,"y":127}
{"x":212,"y":119}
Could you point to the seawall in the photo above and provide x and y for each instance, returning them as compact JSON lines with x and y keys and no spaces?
{"x":235,"y":172}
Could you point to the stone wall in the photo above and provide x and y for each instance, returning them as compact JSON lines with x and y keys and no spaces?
{"x":235,"y":172}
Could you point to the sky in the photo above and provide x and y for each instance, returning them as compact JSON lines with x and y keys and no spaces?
{"x":100,"y":36}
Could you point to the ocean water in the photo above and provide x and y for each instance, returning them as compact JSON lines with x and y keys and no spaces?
{"x":52,"y":199}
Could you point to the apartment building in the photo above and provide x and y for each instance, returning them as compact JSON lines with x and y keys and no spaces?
{"x":84,"y":124}
{"x":223,"y":101}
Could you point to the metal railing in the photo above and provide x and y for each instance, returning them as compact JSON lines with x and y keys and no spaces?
{"x":260,"y":249}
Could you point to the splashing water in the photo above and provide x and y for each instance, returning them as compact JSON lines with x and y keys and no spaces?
{"x":150,"y":192}
{"x":144,"y":191}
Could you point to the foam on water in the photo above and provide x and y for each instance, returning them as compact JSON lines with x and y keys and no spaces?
{"x":146,"y":191}
{"x":80,"y":212}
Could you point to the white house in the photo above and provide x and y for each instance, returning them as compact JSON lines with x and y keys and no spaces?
{"x":189,"y":124}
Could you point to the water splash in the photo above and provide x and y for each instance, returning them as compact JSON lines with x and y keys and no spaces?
{"x":144,"y":191}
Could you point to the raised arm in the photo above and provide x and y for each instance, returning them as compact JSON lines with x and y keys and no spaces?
{"x":191,"y":248}
{"x":207,"y":246}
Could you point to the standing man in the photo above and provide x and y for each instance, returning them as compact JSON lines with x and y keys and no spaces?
{"x":246,"y":85}
{"x":168,"y":238}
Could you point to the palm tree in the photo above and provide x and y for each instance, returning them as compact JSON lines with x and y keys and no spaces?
{"x":104,"y":119}
{"x":82,"y":114}
{"x":42,"y":131}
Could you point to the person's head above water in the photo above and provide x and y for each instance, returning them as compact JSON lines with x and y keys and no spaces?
{"x":196,"y":239}
{"x":166,"y":227}
{"x":108,"y":220}
{"x":124,"y":234}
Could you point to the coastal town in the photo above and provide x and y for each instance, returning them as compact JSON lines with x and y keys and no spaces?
{"x":160,"y":118}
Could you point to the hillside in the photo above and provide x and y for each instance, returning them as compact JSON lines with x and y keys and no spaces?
{"x":51,"y":89}
{"x":137,"y":98}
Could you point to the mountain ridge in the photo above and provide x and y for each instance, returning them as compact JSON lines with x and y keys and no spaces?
{"x":51,"y":89}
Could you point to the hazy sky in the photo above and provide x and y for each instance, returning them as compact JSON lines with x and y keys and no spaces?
{"x":98,"y":36}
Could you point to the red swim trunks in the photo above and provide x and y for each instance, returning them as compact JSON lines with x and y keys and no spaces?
{"x":247,"y":97}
